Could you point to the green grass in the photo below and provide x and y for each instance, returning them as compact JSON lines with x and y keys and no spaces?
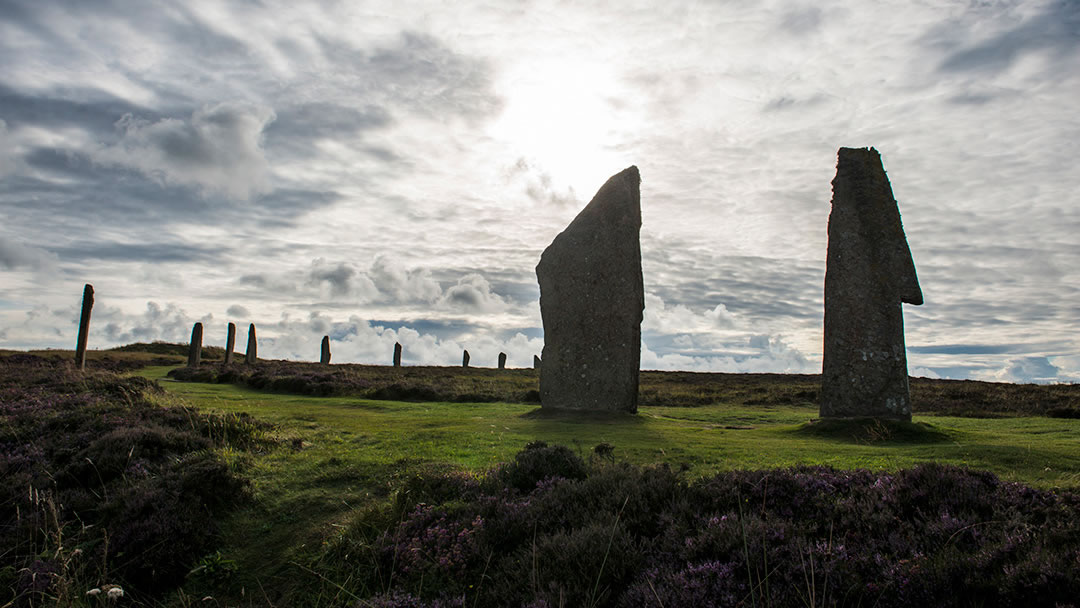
{"x":339,"y":455}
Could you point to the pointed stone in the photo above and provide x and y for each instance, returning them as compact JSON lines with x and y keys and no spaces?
{"x":591,"y":301}
{"x":84,"y":326}
{"x":536,"y":362}
{"x":397,"y":354}
{"x":230,"y":343}
{"x":502,"y":360}
{"x":465,"y":359}
{"x":868,"y":274}
{"x":251,"y":355}
{"x":195,"y":347}
{"x":324,"y":358}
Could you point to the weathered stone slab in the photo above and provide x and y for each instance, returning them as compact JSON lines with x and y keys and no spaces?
{"x":230,"y":343}
{"x":251,"y":356}
{"x":324,"y":358}
{"x":536,"y":362}
{"x":465,"y":359}
{"x":84,"y":326}
{"x":591,"y":301}
{"x":502,"y":360}
{"x":397,"y":354}
{"x":869,"y":273}
{"x":195,"y":347}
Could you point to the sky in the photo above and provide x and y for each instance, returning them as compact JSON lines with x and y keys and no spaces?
{"x":385,"y":172}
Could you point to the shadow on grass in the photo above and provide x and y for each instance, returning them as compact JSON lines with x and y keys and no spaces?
{"x":874,"y":431}
{"x":591,"y":416}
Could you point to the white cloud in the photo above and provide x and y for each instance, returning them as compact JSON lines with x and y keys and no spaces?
{"x":472,"y":293}
{"x":7,"y":151}
{"x":218,"y":149}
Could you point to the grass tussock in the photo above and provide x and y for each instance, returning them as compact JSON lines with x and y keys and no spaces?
{"x":873,"y":431}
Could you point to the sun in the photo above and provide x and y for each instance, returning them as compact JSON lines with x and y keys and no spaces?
{"x":568,"y":119}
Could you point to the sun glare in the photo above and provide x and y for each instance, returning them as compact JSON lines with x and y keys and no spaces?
{"x":567,"y":120}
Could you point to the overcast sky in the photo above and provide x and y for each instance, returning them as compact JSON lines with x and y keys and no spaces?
{"x":385,"y":172}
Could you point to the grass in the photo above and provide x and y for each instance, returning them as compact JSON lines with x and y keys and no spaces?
{"x":339,"y":456}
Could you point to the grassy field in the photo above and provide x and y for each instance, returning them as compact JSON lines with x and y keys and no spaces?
{"x":342,"y":454}
{"x":331,"y":462}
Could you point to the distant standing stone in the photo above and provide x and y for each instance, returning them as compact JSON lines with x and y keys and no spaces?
{"x":195,"y":347}
{"x":325,"y":356}
{"x":465,"y":359}
{"x":868,"y":274}
{"x":230,"y":343}
{"x":251,"y":355}
{"x":536,"y":362}
{"x":397,"y":354}
{"x":84,"y":326}
{"x":502,"y":360}
{"x":591,"y":301}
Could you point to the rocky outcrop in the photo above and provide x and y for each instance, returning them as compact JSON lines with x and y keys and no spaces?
{"x":869,"y":273}
{"x":591,"y":300}
{"x":84,"y":326}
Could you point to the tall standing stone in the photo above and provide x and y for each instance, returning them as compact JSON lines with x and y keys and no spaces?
{"x":465,"y":359}
{"x":502,"y":360}
{"x":397,"y":354}
{"x":230,"y":343}
{"x":868,"y":274}
{"x":195,"y":347}
{"x":251,"y":356}
{"x":84,"y":326}
{"x":536,"y":362}
{"x":591,"y":301}
{"x":324,"y":358}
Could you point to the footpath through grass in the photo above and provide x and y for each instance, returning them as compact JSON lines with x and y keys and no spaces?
{"x":340,"y":455}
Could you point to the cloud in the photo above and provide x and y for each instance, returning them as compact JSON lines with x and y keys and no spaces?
{"x":15,"y":255}
{"x":7,"y":151}
{"x":472,"y":293}
{"x":1032,"y":369}
{"x":400,"y":284}
{"x":1056,"y":31}
{"x":218,"y":149}
{"x":237,"y":311}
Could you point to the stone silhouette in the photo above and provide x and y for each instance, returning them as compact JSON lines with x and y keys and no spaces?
{"x":465,"y":359}
{"x":194,"y":356}
{"x":502,"y":360}
{"x":536,"y":362}
{"x":251,"y":355}
{"x":868,"y":274}
{"x":230,"y":343}
{"x":397,"y":354}
{"x":324,"y":358}
{"x":591,"y":301}
{"x":84,"y":326}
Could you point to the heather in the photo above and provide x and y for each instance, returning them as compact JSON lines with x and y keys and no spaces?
{"x":967,"y":398}
{"x":99,"y":484}
{"x":549,"y":528}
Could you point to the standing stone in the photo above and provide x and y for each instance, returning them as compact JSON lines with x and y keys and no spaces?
{"x":465,"y":359}
{"x":84,"y":327}
{"x":325,"y":357}
{"x":502,"y":360}
{"x":195,"y":347}
{"x":591,"y":301}
{"x":251,"y":356}
{"x":536,"y":362}
{"x":397,"y":354}
{"x":868,"y":273}
{"x":230,"y":343}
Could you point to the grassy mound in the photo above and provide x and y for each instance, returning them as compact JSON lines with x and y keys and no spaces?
{"x":872,"y":431}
